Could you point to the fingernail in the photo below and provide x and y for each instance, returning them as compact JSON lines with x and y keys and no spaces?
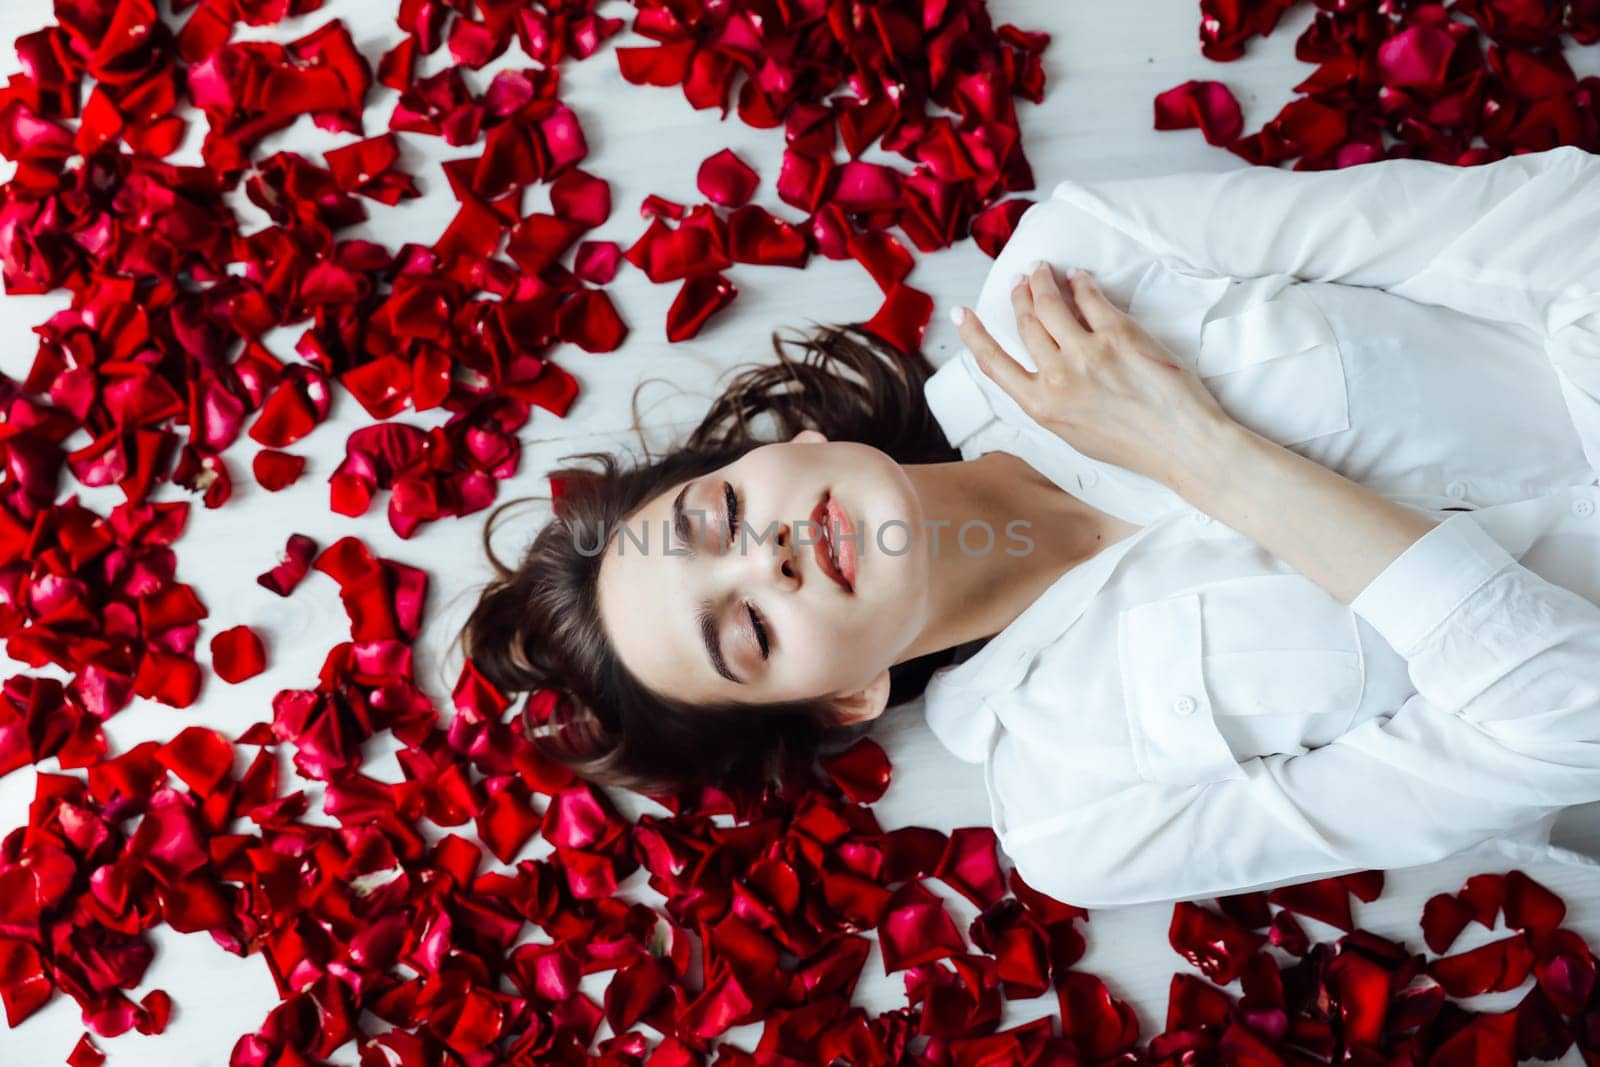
{"x":958,"y":315}
{"x":1035,"y":265}
{"x":1015,"y":280}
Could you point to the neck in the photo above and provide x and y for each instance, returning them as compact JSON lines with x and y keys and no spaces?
{"x":1039,"y":531}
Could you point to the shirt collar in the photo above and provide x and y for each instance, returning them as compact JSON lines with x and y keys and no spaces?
{"x":957,"y":699}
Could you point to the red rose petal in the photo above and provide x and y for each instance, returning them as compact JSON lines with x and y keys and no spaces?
{"x":237,"y":654}
{"x":294,"y":565}
{"x":1206,"y":104}
{"x":902,"y":318}
{"x":1325,"y":899}
{"x":581,"y":197}
{"x":276,"y":470}
{"x":756,"y":236}
{"x":726,"y":179}
{"x":590,"y":321}
{"x":1216,"y":945}
{"x":1499,"y":965}
{"x":700,"y":297}
{"x":862,"y":770}
{"x":916,"y":929}
{"x":1565,"y":969}
{"x":992,"y":228}
{"x":1531,"y":907}
{"x":200,"y":757}
{"x":1100,"y":1025}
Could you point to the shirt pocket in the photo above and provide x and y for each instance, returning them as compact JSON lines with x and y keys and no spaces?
{"x":1276,"y":366}
{"x":1272,"y":359}
{"x":1171,"y":732}
{"x":1265,"y":663}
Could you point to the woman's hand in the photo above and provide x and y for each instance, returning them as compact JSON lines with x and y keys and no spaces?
{"x":1104,"y":385}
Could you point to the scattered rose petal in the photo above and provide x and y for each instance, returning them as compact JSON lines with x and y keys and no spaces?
{"x":237,"y":654}
{"x":726,"y":179}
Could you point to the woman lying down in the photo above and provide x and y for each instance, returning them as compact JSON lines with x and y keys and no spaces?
{"x":1261,"y":548}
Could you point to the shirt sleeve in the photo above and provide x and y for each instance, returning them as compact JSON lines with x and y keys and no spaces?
{"x":1504,"y":729}
{"x":1509,"y":240}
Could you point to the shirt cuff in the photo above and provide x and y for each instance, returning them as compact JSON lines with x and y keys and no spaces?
{"x":1427,"y":582}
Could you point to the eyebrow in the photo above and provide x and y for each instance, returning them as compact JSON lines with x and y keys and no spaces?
{"x":680,"y":520}
{"x":705,"y":618}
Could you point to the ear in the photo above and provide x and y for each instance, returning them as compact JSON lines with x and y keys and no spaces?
{"x":805,"y":437}
{"x":865,"y":703}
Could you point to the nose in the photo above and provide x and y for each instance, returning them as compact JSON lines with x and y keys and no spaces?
{"x":771,"y":561}
{"x":787,"y":567}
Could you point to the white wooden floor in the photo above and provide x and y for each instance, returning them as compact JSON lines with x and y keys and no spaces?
{"x":1107,"y":61}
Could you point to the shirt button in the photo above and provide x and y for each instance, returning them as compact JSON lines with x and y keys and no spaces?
{"x":1458,"y":490}
{"x":1087,"y":479}
{"x":1184,"y":706}
{"x":1583,"y":507}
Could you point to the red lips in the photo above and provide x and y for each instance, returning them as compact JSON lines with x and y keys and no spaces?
{"x":823,"y":518}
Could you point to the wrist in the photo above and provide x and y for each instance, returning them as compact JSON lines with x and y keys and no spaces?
{"x":1209,"y":458}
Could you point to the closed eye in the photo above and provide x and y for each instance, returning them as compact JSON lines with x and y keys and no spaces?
{"x":761,"y":630}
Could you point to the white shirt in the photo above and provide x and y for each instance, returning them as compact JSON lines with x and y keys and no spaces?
{"x":1184,"y":715}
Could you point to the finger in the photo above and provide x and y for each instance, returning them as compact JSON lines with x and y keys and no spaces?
{"x":1050,"y":304}
{"x":1037,"y":339}
{"x":993,"y":360}
{"x":1100,"y":312}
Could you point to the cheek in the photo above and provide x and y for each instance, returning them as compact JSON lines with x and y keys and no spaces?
{"x":815,"y":642}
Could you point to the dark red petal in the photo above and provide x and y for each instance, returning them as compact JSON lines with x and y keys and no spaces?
{"x":885,"y":258}
{"x":1418,"y":56}
{"x":699,"y":298}
{"x":201,"y":758}
{"x":1485,"y":1039}
{"x":276,"y":470}
{"x":971,"y":866}
{"x":1444,"y":919}
{"x":992,"y":227}
{"x":1206,"y":104}
{"x":589,"y":320}
{"x":293,"y":566}
{"x":1362,"y":988}
{"x":1565,"y":970}
{"x":903,"y":317}
{"x":1216,"y":945}
{"x":1484,"y":894}
{"x":1100,"y":1025}
{"x":1325,"y":899}
{"x":1531,"y":907}
{"x":581,"y":197}
{"x":756,"y":236}
{"x":726,"y":179}
{"x":596,"y":262}
{"x":237,"y":654}
{"x":916,"y":929}
{"x":862,"y":770}
{"x":1499,"y":965}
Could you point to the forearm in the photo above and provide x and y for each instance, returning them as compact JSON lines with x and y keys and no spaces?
{"x":1336,"y":532}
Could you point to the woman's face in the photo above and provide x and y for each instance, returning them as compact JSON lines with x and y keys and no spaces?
{"x":688,"y":619}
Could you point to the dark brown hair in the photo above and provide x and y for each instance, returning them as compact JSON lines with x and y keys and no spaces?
{"x":536,"y":627}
